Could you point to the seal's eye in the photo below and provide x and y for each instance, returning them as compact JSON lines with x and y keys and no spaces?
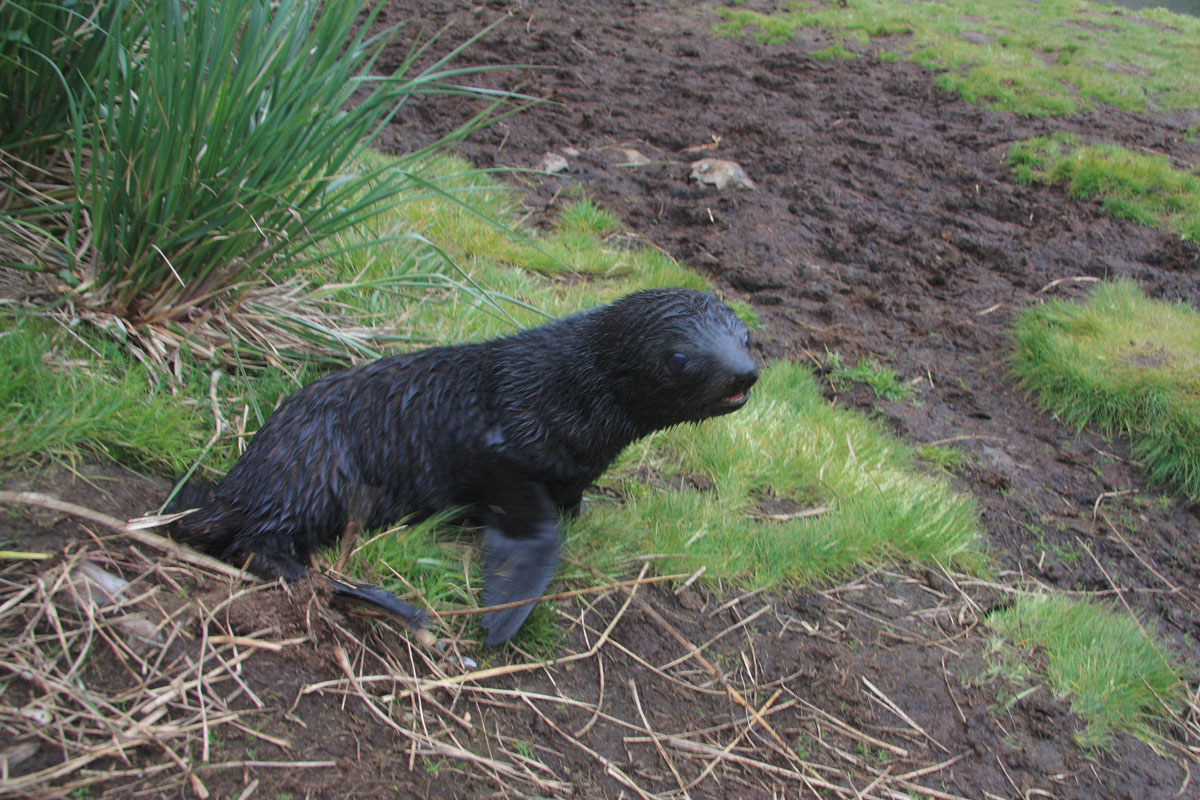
{"x":676,"y":362}
{"x":746,"y":340}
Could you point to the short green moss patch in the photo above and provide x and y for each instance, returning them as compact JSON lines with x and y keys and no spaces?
{"x":1114,"y":674}
{"x":882,"y":380}
{"x":1126,"y":365}
{"x":1139,"y":186}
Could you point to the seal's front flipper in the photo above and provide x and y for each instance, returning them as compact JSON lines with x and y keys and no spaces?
{"x":414,"y":618}
{"x":520,"y":546}
{"x":515,"y":569}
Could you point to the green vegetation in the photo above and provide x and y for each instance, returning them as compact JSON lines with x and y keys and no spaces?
{"x":1126,"y":365}
{"x":1138,"y":186}
{"x":194,"y":161}
{"x":834,"y":51}
{"x":59,"y":399}
{"x":1116,"y":677}
{"x":1052,"y":57}
{"x":789,"y":488}
{"x":101,"y":389}
{"x":884,"y":381}
{"x":943,"y":458}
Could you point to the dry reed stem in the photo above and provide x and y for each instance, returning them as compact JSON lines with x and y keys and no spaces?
{"x":720,"y":676}
{"x":492,"y":672}
{"x":655,"y":737}
{"x":642,"y":581}
{"x":708,"y":751}
{"x":740,"y":624}
{"x":176,"y":550}
{"x":899,"y":712}
{"x":745,"y":731}
{"x":611,"y":768}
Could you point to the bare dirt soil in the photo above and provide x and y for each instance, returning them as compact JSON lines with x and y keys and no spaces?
{"x":882,"y":222}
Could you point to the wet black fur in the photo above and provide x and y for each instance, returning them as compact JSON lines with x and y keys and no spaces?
{"x":513,"y":428}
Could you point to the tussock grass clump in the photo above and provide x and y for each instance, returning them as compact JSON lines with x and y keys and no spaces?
{"x":1125,"y":364}
{"x":1041,"y":58}
{"x":1114,"y":674}
{"x":789,"y":488}
{"x":459,"y":231}
{"x":182,"y":179}
{"x":1139,"y":186}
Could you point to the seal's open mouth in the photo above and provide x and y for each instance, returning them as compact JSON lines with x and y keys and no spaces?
{"x":741,"y":391}
{"x":735,"y":399}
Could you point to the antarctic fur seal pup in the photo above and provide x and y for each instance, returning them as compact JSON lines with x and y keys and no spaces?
{"x":514,"y":429}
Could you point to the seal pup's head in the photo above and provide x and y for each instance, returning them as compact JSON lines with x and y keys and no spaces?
{"x":674,"y":355}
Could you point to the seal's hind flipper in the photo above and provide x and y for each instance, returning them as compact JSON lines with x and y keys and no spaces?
{"x":414,"y":618}
{"x":515,"y":569}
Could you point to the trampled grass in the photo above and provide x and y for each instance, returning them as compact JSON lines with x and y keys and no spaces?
{"x":1043,"y":58}
{"x":1113,"y":673}
{"x":1139,"y":186}
{"x":1125,"y":364}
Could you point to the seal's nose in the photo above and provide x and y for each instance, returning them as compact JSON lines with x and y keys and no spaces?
{"x":749,"y":377}
{"x":743,"y":369}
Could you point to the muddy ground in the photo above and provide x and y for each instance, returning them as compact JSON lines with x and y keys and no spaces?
{"x":883,"y":222}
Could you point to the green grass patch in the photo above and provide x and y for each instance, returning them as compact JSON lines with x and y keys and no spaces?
{"x":789,"y":488}
{"x":1126,"y":365}
{"x":1131,"y":185}
{"x":833,"y":52}
{"x":59,"y":399}
{"x":1052,"y":57}
{"x":1115,"y":676}
{"x":884,"y":381}
{"x":943,"y":458}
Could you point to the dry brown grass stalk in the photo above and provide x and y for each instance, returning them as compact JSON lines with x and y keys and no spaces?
{"x":171,"y":696}
{"x":64,"y":698}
